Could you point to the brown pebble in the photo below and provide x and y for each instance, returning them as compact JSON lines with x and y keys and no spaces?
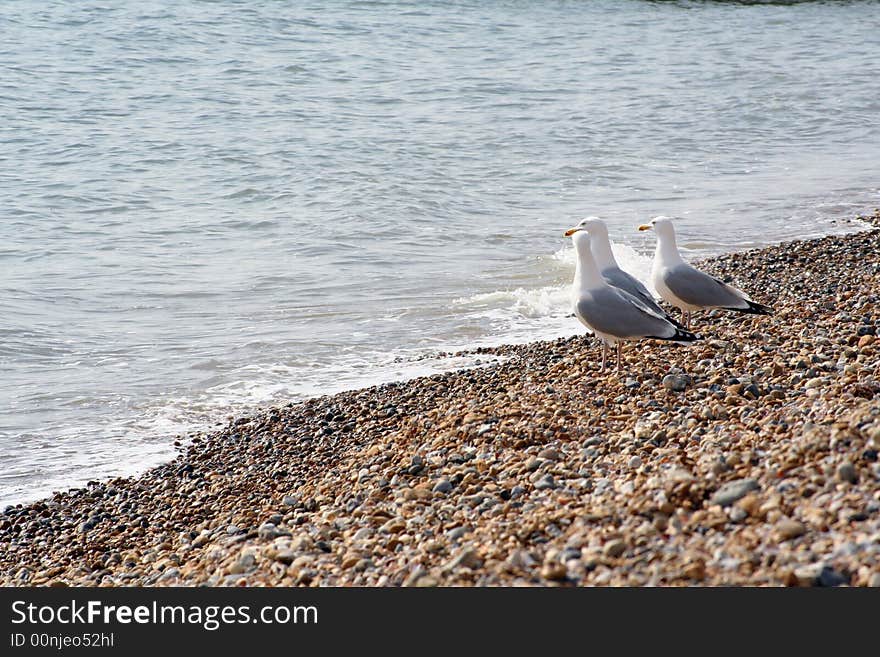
{"x":614,"y":549}
{"x":695,"y":570}
{"x":787,"y":529}
{"x":553,"y":571}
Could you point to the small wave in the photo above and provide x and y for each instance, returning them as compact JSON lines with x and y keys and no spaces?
{"x":630,"y":260}
{"x":243,"y":193}
{"x":554,"y":300}
{"x":540,"y":302}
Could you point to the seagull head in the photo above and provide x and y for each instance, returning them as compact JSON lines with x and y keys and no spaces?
{"x":590,"y":225}
{"x":594,"y":226}
{"x":661,"y":225}
{"x":596,"y":229}
{"x":581,"y":238}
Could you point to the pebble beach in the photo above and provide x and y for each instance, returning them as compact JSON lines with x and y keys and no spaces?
{"x":749,"y":458}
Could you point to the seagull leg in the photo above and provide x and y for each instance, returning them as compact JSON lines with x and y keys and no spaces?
{"x":685,"y":318}
{"x":604,"y":355}
{"x":619,"y":354}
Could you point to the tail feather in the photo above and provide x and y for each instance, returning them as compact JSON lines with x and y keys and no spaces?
{"x":754,"y":308}
{"x":681,"y":336}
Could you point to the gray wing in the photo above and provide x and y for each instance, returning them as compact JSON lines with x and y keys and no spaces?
{"x":620,"y":279}
{"x":698,"y":289}
{"x":614,"y":312}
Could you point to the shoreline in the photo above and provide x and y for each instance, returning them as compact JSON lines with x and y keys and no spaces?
{"x":761,"y":470}
{"x":421,"y":363}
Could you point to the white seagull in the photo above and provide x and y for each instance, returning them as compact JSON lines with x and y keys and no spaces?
{"x":686,"y":287}
{"x":600,"y":245}
{"x":612,"y":314}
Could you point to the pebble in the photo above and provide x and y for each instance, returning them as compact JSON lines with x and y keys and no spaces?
{"x":818,"y":574}
{"x":695,"y":570}
{"x":554,"y":571}
{"x":519,"y":559}
{"x":245,"y":563}
{"x":549,"y":454}
{"x":545,"y":482}
{"x":614,"y":549}
{"x":442,"y":486}
{"x":738,"y":514}
{"x":466,"y":557}
{"x":457,"y":533}
{"x":268,"y":531}
{"x":285,"y":556}
{"x":787,"y":529}
{"x":846,"y":471}
{"x":733,"y":491}
{"x":676,"y":382}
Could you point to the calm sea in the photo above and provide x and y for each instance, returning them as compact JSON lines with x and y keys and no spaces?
{"x":208,"y":207}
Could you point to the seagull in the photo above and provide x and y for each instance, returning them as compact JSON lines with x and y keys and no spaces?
{"x":612,"y":314}
{"x":686,"y":287}
{"x":611,"y":271}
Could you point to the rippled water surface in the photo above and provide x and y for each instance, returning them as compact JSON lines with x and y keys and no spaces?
{"x":208,"y":207}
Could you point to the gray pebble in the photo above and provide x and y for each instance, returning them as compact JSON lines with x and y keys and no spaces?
{"x":676,"y":382}
{"x":818,"y":574}
{"x":466,"y":557}
{"x":545,"y":482}
{"x":362,"y":533}
{"x":245,"y":563}
{"x":738,"y":514}
{"x":846,"y":471}
{"x":442,"y":486}
{"x":268,"y":530}
{"x":285,"y":556}
{"x":733,"y":491}
{"x":457,"y":533}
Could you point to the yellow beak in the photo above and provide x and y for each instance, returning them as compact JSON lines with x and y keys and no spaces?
{"x":571,"y":231}
{"x":645,"y":227}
